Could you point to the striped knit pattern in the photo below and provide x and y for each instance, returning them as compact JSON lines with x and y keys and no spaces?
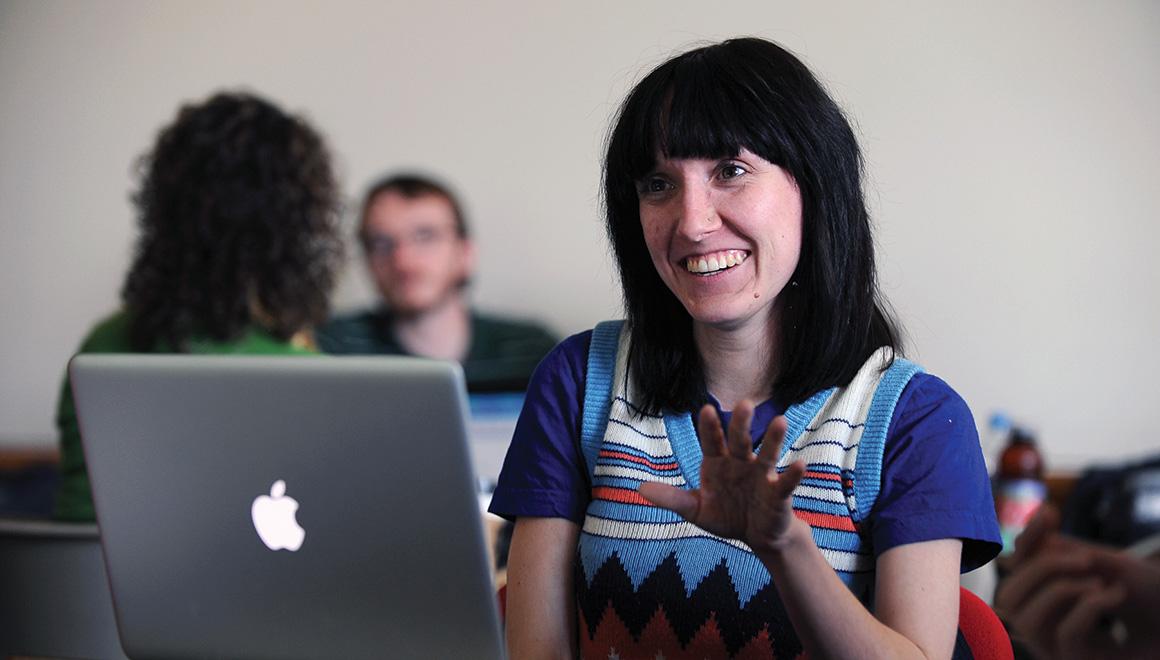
{"x":839,"y":434}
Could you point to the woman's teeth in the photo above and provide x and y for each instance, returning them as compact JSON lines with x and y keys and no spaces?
{"x":711,"y":263}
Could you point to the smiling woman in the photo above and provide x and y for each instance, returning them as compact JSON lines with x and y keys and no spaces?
{"x":745,"y":467}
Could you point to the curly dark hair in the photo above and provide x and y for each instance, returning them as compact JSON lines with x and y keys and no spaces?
{"x":239,"y":218}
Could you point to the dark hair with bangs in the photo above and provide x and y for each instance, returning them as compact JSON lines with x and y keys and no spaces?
{"x":238,"y":211}
{"x":712,"y":102}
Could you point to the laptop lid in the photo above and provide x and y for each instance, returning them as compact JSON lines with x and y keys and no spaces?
{"x":287,"y":507}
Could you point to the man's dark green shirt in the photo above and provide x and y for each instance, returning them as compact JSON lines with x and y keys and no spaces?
{"x":503,"y":353}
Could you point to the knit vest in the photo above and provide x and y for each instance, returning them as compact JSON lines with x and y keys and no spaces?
{"x":650,"y":584}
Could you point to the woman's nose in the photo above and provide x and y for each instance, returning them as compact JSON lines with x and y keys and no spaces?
{"x":698,"y":216}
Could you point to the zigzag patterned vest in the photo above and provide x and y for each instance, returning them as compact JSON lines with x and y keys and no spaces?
{"x":651,"y":585}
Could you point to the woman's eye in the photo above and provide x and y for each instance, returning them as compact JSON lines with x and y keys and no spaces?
{"x":653,"y":185}
{"x":731,"y":171}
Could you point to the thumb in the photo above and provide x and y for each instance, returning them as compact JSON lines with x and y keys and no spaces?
{"x":679,"y":501}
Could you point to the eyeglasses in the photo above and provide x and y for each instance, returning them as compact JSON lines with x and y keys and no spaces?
{"x":421,"y":239}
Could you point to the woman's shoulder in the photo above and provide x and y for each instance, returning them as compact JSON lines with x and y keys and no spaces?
{"x":927,"y":394}
{"x":928,"y":409}
{"x":575,"y":347}
{"x":109,"y":335}
{"x":567,"y":362}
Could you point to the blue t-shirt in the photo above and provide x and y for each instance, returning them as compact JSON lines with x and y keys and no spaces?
{"x":934,"y":480}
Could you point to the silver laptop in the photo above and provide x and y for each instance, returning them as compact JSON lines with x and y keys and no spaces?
{"x":287,"y":507}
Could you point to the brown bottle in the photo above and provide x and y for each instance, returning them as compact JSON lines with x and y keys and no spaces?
{"x":1020,"y":458}
{"x":1019,"y":487}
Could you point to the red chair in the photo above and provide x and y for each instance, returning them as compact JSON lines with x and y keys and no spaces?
{"x":981,"y":635}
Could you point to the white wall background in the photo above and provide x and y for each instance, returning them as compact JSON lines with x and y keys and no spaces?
{"x":1013,"y":150}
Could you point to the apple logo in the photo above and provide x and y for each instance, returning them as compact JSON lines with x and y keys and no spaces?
{"x":274,"y":519}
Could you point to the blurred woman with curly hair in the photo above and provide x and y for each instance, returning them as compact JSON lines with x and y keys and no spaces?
{"x":237,"y":253}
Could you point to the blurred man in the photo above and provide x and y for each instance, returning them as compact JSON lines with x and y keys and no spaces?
{"x":421,"y":258}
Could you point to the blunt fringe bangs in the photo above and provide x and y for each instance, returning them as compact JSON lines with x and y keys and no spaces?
{"x":712,"y":102}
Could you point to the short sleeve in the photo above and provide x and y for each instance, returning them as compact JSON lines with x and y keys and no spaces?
{"x":934,"y":479}
{"x":544,"y":474}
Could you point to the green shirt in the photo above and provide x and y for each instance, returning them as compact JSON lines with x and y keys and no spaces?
{"x":74,"y":500}
{"x":503,"y":353}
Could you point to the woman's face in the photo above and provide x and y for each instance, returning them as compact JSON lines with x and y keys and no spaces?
{"x":724,"y":234}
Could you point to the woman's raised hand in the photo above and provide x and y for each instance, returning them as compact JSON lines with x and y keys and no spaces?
{"x":741,"y":495}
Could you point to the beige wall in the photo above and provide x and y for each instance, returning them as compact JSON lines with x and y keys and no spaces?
{"x":1012,"y":148}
